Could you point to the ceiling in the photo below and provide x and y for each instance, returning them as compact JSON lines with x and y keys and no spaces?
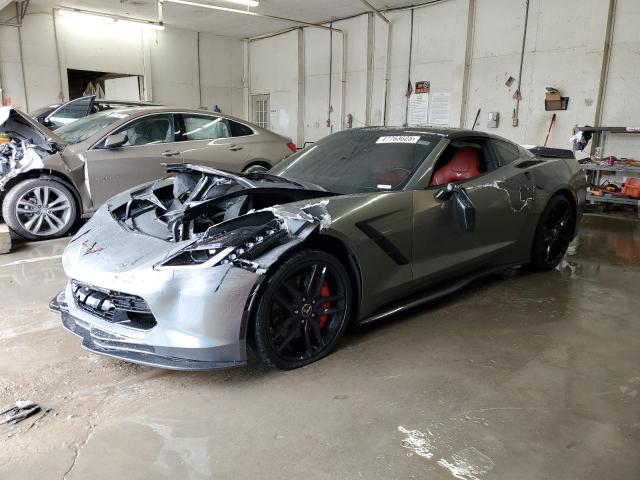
{"x":227,"y":23}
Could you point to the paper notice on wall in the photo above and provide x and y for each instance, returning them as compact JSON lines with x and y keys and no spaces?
{"x":418,"y":109}
{"x":440,"y":108}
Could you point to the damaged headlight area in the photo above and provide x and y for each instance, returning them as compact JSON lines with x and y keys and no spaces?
{"x":237,"y":241}
{"x":22,"y":146}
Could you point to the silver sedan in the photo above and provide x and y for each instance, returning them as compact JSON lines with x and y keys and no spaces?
{"x":49,"y":180}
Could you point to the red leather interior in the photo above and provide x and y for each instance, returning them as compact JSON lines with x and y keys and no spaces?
{"x":464,"y":164}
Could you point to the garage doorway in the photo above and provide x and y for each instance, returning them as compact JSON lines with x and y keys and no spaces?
{"x":260,"y":108}
{"x":112,"y":86}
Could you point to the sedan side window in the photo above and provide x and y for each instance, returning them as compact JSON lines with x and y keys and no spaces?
{"x":239,"y":130}
{"x":505,"y":151}
{"x":205,"y":127}
{"x":149,"y":130}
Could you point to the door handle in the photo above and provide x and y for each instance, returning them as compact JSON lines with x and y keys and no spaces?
{"x":170,"y":153}
{"x":235,"y":148}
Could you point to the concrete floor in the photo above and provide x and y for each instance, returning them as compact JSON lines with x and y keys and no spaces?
{"x":528,"y":376}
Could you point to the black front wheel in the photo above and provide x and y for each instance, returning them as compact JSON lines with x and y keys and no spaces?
{"x":303,"y":310}
{"x":553,"y":235}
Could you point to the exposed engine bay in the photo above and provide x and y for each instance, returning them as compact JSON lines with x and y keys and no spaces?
{"x":22,"y":147}
{"x":231,"y":218}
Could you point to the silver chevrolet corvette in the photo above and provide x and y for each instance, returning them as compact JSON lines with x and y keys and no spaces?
{"x":185,"y":272}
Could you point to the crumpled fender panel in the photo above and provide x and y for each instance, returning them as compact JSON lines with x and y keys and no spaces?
{"x":27,"y":146}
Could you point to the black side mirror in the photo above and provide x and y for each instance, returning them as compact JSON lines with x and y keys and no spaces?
{"x":445,"y":193}
{"x":465,"y":210}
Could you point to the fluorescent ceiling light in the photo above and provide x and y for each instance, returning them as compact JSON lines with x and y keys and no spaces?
{"x":212,"y":7}
{"x":243,"y":12}
{"x":106,"y":18}
{"x":248,"y":3}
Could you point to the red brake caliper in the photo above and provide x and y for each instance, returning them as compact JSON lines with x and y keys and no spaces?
{"x":324,"y":292}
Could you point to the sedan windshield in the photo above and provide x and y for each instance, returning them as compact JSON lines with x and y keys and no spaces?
{"x":356,"y":161}
{"x":84,"y":128}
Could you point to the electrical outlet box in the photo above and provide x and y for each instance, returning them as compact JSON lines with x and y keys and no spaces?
{"x":494,"y":120}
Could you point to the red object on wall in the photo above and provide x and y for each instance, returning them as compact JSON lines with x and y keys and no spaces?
{"x":6,"y":101}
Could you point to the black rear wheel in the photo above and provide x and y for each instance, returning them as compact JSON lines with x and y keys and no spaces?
{"x":303,"y":310}
{"x":553,"y":235}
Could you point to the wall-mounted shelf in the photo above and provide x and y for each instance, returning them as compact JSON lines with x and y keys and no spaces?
{"x":607,"y":198}
{"x":600,"y":133}
{"x":611,"y":168}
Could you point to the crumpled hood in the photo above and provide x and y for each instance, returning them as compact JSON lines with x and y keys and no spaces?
{"x":25,"y":144}
{"x":102,"y":248}
{"x":198,"y":219}
{"x":12,"y":119}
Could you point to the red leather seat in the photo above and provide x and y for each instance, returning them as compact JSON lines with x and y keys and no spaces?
{"x":464,"y":165}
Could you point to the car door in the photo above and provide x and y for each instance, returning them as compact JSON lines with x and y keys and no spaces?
{"x":442,"y":248}
{"x":69,"y":112}
{"x":150,"y":144}
{"x":207,"y":140}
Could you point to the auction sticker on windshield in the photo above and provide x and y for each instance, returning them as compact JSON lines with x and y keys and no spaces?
{"x":399,"y":139}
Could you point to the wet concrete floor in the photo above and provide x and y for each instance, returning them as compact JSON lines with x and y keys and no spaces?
{"x":522,"y":376}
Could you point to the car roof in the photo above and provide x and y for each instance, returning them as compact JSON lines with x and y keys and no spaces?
{"x":131,"y":113}
{"x":137,"y":111}
{"x":447,"y":132}
{"x":134,"y":103}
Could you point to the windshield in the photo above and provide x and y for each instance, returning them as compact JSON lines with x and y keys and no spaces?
{"x":84,"y":128}
{"x":357,"y":161}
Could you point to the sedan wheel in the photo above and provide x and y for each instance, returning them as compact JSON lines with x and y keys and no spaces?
{"x":40,"y":209}
{"x":255,"y":169}
{"x":303,"y":311}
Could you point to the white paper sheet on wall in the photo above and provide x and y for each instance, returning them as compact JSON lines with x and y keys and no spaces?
{"x":440,"y":108}
{"x":418,"y":109}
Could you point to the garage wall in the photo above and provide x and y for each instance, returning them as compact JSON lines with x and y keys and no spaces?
{"x":316,"y":87}
{"x":564,"y":49}
{"x":439,"y":40}
{"x":622,"y":102}
{"x":168,"y":59}
{"x":221,"y":73}
{"x":273,"y":67}
{"x":559,"y":53}
{"x":40,"y":65}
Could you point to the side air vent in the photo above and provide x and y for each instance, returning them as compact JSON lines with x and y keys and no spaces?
{"x":550,"y":152}
{"x":529,"y":163}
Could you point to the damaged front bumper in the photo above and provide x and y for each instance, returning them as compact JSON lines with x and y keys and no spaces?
{"x":146,"y":286}
{"x":206,"y":339}
{"x":102,"y":342}
{"x":191,"y":319}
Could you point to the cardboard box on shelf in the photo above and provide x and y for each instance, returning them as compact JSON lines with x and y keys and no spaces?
{"x":552,"y":94}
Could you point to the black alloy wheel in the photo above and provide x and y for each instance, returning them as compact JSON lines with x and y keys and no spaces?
{"x":553,"y":235}
{"x":303,"y":310}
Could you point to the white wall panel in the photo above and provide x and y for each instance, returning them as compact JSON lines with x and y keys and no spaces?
{"x":622,"y":102}
{"x":169,"y":58}
{"x":174,"y":63}
{"x":274,"y":71}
